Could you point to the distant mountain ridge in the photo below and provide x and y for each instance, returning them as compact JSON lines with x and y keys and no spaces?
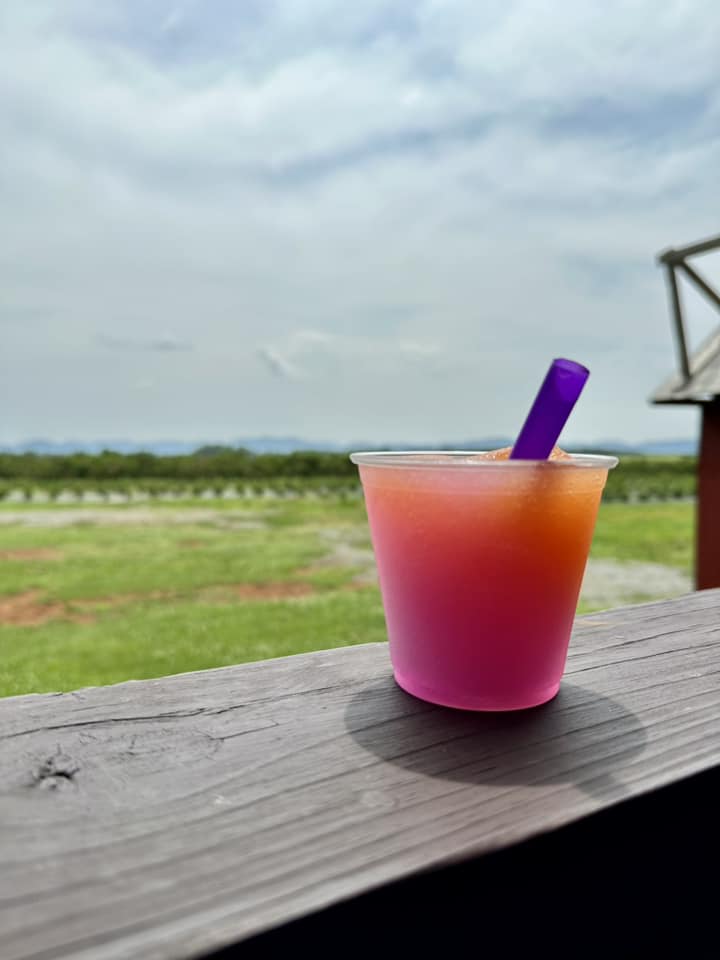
{"x":288,"y":444}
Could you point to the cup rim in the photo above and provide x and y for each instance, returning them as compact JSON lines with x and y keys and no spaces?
{"x":460,"y":460}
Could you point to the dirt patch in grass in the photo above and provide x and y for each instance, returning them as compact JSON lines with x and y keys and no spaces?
{"x":217,"y":593}
{"x":119,"y":600}
{"x":32,"y":553}
{"x":272,"y":591}
{"x":257,"y":591}
{"x":30,"y":610}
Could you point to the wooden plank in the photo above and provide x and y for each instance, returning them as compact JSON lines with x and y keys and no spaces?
{"x":626,"y":885}
{"x":677,"y":254}
{"x":678,"y":323}
{"x":704,"y":382}
{"x":167,"y":818}
{"x":700,"y":282}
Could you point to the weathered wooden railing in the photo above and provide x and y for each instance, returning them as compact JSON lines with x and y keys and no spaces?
{"x":174,"y":817}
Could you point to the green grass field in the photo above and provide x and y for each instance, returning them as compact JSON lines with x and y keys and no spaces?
{"x":96,"y":596}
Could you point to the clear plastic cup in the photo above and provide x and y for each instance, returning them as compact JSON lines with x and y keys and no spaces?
{"x":480,"y":563}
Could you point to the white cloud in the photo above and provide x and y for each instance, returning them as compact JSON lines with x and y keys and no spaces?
{"x":364,"y":203}
{"x":317,"y":355}
{"x":279,"y":365}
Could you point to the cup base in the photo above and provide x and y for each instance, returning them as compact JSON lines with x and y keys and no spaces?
{"x":480,"y":704}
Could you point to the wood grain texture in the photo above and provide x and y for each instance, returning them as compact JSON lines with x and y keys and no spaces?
{"x":166,"y":818}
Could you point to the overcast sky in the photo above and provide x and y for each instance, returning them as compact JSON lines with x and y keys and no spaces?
{"x":375,"y":220}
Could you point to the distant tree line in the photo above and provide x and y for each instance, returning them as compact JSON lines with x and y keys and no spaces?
{"x":215,"y":462}
{"x":216,"y":470}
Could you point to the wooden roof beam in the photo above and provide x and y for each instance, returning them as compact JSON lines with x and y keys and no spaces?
{"x":677,"y":255}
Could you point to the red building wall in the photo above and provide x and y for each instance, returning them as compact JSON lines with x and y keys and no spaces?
{"x":708,"y":512}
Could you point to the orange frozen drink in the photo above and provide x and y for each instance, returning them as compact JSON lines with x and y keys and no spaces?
{"x":481,"y":560}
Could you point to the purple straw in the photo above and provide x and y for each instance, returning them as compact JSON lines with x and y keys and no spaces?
{"x":557,"y":396}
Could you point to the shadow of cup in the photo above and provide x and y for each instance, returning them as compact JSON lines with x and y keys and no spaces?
{"x":581,"y":738}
